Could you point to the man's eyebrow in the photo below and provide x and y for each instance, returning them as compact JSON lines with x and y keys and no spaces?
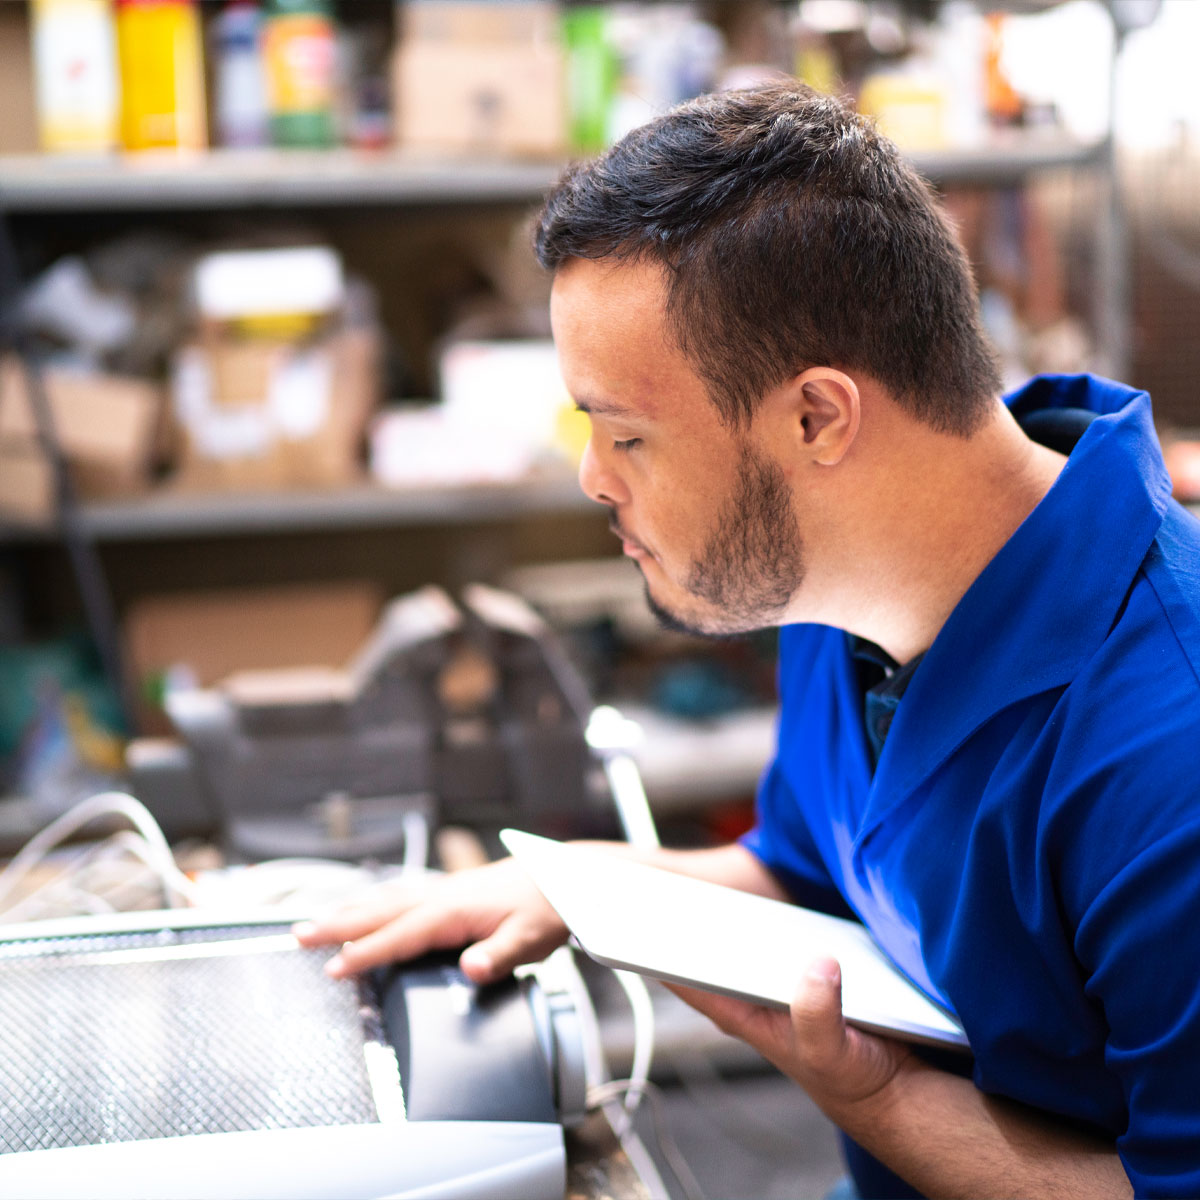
{"x":605,"y":408}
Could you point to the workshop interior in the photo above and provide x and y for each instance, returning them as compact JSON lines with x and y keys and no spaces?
{"x":299,"y":595}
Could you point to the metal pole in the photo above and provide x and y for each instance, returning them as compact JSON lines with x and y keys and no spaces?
{"x":99,"y":612}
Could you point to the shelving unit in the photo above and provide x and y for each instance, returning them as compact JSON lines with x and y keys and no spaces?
{"x":238,"y":179}
{"x":173,"y":514}
{"x":396,"y":186}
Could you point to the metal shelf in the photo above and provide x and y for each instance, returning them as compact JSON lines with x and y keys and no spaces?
{"x":230,"y":179}
{"x":167,"y":514}
{"x":1004,"y":160}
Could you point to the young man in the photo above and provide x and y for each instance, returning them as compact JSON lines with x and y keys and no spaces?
{"x":990,"y":702}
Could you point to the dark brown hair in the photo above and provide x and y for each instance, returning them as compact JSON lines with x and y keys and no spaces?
{"x":793,"y":235}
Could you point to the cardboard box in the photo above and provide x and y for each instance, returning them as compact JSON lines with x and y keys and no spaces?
{"x":18,"y":130}
{"x":106,"y":428}
{"x":26,"y":484}
{"x":526,"y":22}
{"x":479,"y":98}
{"x":255,"y":413}
{"x":201,"y":637}
{"x":103,"y":420}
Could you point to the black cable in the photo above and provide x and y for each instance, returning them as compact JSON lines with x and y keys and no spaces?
{"x":99,"y":612}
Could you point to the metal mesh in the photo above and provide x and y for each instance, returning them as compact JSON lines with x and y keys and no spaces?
{"x":122,"y":1037}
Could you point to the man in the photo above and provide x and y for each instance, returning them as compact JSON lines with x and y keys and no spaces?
{"x":990,"y":707}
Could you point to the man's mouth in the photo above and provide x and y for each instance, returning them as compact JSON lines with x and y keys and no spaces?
{"x":629,"y":546}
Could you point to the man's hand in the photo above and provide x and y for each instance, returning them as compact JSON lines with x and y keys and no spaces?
{"x":934,"y":1129}
{"x":495,"y":911}
{"x":844,"y":1070}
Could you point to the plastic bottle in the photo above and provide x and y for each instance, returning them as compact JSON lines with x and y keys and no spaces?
{"x":241,"y":102}
{"x":591,"y":75}
{"x":300,"y":44}
{"x":75,"y":67}
{"x":162,"y":75}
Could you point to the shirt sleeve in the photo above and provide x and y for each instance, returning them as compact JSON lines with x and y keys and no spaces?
{"x":783,"y":842}
{"x":1139,"y":942}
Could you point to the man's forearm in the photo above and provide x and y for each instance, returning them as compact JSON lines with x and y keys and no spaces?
{"x":948,"y":1139}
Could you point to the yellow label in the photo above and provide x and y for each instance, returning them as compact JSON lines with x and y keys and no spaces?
{"x":300,"y":59}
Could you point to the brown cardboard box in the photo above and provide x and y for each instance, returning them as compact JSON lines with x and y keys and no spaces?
{"x":513,"y":21}
{"x":18,"y":129}
{"x":234,"y":436}
{"x":26,"y":485}
{"x":204,"y":636}
{"x":103,"y":420}
{"x":460,"y":97}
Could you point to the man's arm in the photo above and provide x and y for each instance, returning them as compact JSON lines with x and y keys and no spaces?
{"x":494,"y":911}
{"x":932,"y":1128}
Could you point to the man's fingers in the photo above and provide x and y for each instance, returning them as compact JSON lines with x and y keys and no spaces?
{"x":408,"y":936}
{"x":765,"y":1029}
{"x":516,"y":940}
{"x":352,"y":920}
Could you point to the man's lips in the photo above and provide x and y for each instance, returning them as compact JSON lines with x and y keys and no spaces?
{"x":631,"y":546}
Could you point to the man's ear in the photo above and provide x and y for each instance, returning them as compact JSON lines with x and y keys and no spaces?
{"x":828,"y":410}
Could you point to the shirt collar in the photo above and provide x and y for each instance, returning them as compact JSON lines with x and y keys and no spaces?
{"x":1043,"y":605}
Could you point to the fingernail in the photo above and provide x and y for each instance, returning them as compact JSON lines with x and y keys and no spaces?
{"x":825,"y":970}
{"x":335,"y":966}
{"x":303,"y":929}
{"x":476,"y":962}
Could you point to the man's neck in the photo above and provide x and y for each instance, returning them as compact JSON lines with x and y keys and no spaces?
{"x":926,"y":514}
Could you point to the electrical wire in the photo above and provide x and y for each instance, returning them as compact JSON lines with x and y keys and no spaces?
{"x":596,"y":1075}
{"x":178,"y":890}
{"x":642,"y":1009}
{"x":416,"y":840}
{"x":668,"y":1147}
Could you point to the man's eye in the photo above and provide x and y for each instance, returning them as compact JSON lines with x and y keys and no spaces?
{"x":628,"y":444}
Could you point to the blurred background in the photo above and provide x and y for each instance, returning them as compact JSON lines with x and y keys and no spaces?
{"x":272,"y":262}
{"x":276,"y":388}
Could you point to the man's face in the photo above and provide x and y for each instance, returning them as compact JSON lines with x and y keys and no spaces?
{"x":704,"y":511}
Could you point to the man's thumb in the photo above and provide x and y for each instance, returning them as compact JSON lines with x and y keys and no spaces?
{"x":817,"y":1007}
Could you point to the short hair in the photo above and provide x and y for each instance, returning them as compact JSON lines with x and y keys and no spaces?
{"x":793,"y":235}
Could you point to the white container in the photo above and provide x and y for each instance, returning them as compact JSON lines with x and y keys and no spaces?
{"x":75,"y":68}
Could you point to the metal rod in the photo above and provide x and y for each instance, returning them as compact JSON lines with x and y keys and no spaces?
{"x":99,"y":612}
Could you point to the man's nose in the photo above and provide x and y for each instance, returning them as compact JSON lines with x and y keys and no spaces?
{"x":599,"y":482}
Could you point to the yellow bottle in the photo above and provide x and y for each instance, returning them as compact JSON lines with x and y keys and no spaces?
{"x":162,"y":75}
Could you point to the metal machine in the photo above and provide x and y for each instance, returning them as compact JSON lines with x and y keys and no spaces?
{"x":172,"y":1054}
{"x":464,"y":715}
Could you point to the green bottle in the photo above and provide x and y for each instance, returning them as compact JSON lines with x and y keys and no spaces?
{"x":591,"y":76}
{"x":300,"y":60}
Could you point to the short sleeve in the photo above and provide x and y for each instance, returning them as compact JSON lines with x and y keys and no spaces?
{"x":1139,"y":943}
{"x":783,"y":842}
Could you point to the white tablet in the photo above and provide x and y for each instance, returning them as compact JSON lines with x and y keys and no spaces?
{"x":682,"y":930}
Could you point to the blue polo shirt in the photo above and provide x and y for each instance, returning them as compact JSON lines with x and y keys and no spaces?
{"x":1028,"y":847}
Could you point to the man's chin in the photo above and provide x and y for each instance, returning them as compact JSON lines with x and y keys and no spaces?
{"x":693,"y":625}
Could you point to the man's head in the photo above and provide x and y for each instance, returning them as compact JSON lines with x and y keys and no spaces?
{"x":726,"y":279}
{"x":793,"y":235}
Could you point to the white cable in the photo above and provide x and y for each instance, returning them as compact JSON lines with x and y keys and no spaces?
{"x":69,"y":879}
{"x":625,"y":782}
{"x":598,"y":1097}
{"x":178,"y":888}
{"x":416,"y":840}
{"x":596,"y":1075}
{"x":642,"y":1008}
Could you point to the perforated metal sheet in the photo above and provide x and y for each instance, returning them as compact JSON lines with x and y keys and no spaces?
{"x":129,"y":1036}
